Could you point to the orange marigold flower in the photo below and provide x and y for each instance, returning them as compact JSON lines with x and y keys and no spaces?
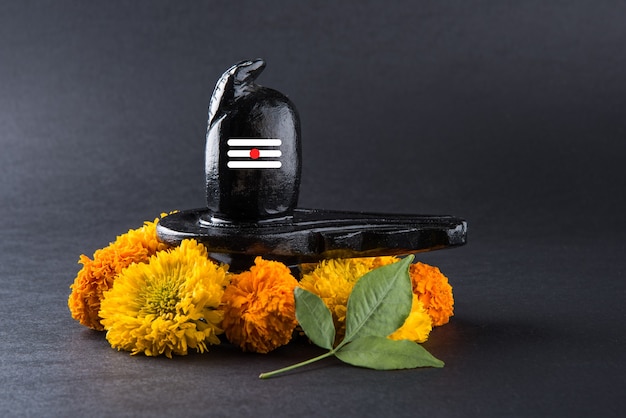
{"x":434,"y":291}
{"x":97,"y":274}
{"x":259,"y":307}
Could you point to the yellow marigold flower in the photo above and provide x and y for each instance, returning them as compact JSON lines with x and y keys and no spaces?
{"x":167,"y":305}
{"x":97,"y":275}
{"x":417,"y":325}
{"x":259,"y":307}
{"x":434,"y":291}
{"x":333,"y":280}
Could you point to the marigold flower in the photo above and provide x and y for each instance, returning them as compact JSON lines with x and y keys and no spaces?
{"x":97,"y":275}
{"x":259,"y":307}
{"x":417,"y":325}
{"x":167,"y":305}
{"x":434,"y":291}
{"x":333,"y":280}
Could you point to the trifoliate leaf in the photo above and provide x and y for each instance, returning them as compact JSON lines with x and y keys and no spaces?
{"x":379,"y":304}
{"x":381,"y":353}
{"x":380,"y":301}
{"x":314,"y":318}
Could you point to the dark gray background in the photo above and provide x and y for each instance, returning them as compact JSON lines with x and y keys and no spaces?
{"x":507,"y":113}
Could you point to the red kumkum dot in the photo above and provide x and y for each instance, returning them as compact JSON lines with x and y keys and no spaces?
{"x":255,"y":153}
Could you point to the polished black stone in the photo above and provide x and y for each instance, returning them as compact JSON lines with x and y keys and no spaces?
{"x":313,"y":235}
{"x":241,"y":110}
{"x":253,"y":163}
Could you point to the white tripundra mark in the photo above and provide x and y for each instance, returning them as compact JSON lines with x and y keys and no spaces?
{"x":254,"y":153}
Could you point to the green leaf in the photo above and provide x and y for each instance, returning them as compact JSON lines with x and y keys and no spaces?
{"x":314,"y":318}
{"x":380,"y":301}
{"x":381,"y":353}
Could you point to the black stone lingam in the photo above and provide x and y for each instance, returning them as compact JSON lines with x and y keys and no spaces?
{"x":252,"y":165}
{"x":253,"y":156}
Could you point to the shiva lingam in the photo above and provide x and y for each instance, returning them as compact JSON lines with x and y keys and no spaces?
{"x":253,"y":164}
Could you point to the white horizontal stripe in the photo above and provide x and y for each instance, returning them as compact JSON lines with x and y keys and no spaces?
{"x":263,"y":153}
{"x":254,"y":164}
{"x":254,"y":142}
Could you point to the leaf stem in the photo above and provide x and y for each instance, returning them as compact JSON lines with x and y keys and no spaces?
{"x":267,"y":375}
